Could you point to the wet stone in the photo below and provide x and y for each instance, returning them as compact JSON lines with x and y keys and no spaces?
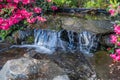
{"x":32,"y":69}
{"x":75,"y":65}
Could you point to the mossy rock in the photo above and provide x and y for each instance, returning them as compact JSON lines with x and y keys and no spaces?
{"x":30,"y":39}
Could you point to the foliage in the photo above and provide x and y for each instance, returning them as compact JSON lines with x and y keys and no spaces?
{"x":17,"y":14}
{"x":96,"y":4}
{"x":69,"y":3}
{"x":114,"y":10}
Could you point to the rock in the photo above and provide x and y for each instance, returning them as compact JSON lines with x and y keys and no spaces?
{"x":63,"y":77}
{"x":79,"y":24}
{"x":23,"y":36}
{"x":75,"y":65}
{"x":32,"y":69}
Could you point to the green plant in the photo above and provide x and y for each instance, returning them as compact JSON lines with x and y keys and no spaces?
{"x":114,"y":10}
{"x":96,"y":4}
{"x":18,"y":14}
{"x":69,"y":3}
{"x":59,"y":2}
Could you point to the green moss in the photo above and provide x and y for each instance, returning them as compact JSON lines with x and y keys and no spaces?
{"x":10,"y":39}
{"x":30,"y":39}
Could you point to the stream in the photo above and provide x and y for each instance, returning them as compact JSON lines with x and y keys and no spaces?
{"x":67,"y":48}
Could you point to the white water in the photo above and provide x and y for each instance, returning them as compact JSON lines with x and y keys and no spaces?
{"x":48,"y":41}
{"x":37,"y":48}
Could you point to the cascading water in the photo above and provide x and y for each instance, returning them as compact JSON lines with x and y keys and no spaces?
{"x":68,"y":41}
{"x":45,"y":38}
{"x":88,"y":42}
{"x":48,"y":41}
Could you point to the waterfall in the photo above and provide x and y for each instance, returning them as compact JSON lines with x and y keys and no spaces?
{"x":88,"y":42}
{"x":68,"y":41}
{"x":49,"y":41}
{"x":45,"y":38}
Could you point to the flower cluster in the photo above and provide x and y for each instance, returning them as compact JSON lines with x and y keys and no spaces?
{"x":17,"y":10}
{"x":114,"y":11}
{"x":115,"y":38}
{"x":116,"y":55}
{"x":114,"y":8}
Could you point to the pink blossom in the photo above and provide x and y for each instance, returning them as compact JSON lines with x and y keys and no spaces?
{"x":110,"y":5}
{"x":118,"y":43}
{"x":37,"y":10}
{"x":1,"y":6}
{"x":9,"y":1}
{"x":32,"y":1}
{"x":112,"y":12}
{"x":13,"y":5}
{"x":49,"y":0}
{"x":26,"y":1}
{"x":16,"y":1}
{"x":113,"y":56}
{"x":118,"y":51}
{"x":16,"y":18}
{"x":31,"y":20}
{"x":117,"y":29}
{"x":1,"y":0}
{"x":54,"y":8}
{"x":25,"y":13}
{"x":5,"y":25}
{"x":11,"y":21}
{"x":113,"y":39}
{"x":117,"y":58}
{"x":41,"y":19}
{"x":108,"y":48}
{"x":1,"y":20}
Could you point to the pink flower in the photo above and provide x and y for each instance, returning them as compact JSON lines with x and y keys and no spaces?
{"x":26,"y":1}
{"x":9,"y":1}
{"x":11,"y":21}
{"x":1,"y":20}
{"x":54,"y":8}
{"x":13,"y":5}
{"x":1,"y":6}
{"x":113,"y":39}
{"x":108,"y":48}
{"x":113,"y":56}
{"x":1,"y":0}
{"x":37,"y":10}
{"x":49,"y":0}
{"x":16,"y":18}
{"x":5,"y":25}
{"x":118,"y":51}
{"x":110,"y":5}
{"x":41,"y":19}
{"x":112,"y":12}
{"x":31,"y":20}
{"x":118,"y":43}
{"x":16,"y":1}
{"x":25,"y":13}
{"x":117,"y":29}
{"x":117,"y":58}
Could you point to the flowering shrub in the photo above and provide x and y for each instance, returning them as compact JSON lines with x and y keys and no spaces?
{"x":114,"y":10}
{"x":16,"y":12}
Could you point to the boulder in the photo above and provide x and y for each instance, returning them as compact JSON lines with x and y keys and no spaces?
{"x":32,"y":69}
{"x":78,"y":24}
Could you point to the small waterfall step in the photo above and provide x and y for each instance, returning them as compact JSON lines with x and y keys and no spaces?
{"x":50,"y":41}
